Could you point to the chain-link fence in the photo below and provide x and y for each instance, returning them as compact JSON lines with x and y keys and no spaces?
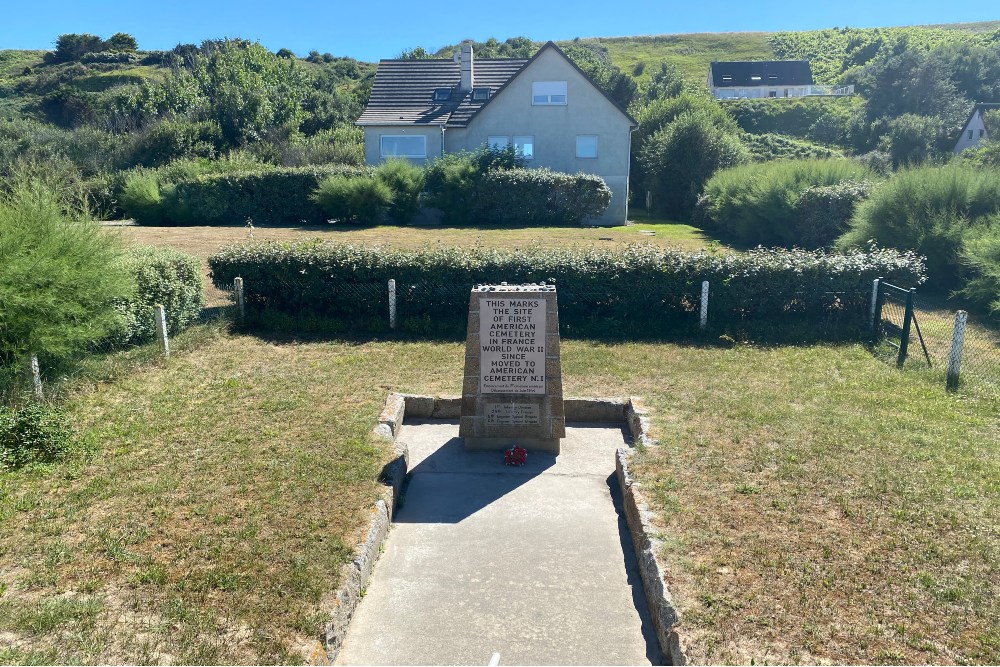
{"x":917,"y":332}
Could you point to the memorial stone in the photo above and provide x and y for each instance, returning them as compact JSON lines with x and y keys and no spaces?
{"x":512,"y":390}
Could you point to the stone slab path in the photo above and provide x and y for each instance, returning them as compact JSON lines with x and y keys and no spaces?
{"x":534,"y":563}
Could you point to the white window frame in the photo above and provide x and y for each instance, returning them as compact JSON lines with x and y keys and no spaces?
{"x":519,"y":144}
{"x":383,"y":137}
{"x":547,"y":93}
{"x":587,"y":136}
{"x":498,"y":141}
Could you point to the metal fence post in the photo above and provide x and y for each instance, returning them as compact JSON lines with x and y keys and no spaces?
{"x":392,"y":303}
{"x":36,"y":377}
{"x":240,"y":303}
{"x":957,"y":346}
{"x":874,"y":304}
{"x":160,"y":315}
{"x":704,"y":304}
{"x":904,"y":338}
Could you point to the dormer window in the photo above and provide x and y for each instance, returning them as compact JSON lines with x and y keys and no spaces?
{"x":480,"y":94}
{"x":755,"y":77}
{"x":726,"y":78}
{"x":772,"y":77}
{"x":442,"y":94}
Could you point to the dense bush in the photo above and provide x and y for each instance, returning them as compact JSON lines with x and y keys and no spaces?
{"x":756,"y":204}
{"x":980,"y":256}
{"x":679,"y":159}
{"x":362,"y":199}
{"x":642,"y":288}
{"x":816,"y":118}
{"x":450,"y":183}
{"x":768,"y":147}
{"x":929,"y":210}
{"x":405,"y":181}
{"x":266,"y":195}
{"x":913,"y":140}
{"x":58,"y":276}
{"x":33,"y":433}
{"x":823,"y":212}
{"x":161,"y":276}
{"x":515,"y":197}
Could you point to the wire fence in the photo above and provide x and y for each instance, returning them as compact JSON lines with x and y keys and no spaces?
{"x":924,"y":335}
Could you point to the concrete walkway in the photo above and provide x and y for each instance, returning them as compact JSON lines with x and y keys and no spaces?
{"x":533,"y":563}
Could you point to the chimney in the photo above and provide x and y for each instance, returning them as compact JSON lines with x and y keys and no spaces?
{"x":465,"y":63}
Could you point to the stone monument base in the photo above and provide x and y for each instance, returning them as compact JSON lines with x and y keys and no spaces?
{"x":497,"y":444}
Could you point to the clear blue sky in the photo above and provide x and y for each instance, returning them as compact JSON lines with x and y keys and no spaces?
{"x":381,"y":29}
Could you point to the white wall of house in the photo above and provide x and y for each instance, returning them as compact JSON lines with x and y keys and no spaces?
{"x":556,"y":127}
{"x":755,"y":92}
{"x":973,"y":133}
{"x":374,"y":134}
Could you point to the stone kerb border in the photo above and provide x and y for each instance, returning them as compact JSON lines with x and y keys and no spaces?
{"x":357,"y":573}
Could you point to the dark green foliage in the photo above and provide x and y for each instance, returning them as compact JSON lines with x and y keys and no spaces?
{"x":768,"y":147}
{"x":593,"y":59}
{"x":679,"y":159}
{"x":928,"y":210}
{"x":451,"y":181}
{"x":815,"y":118}
{"x":162,"y":276}
{"x":913,"y":140}
{"x":987,"y":154}
{"x":643,"y":289}
{"x":823,"y":212}
{"x":58,"y":276}
{"x":756,"y":204}
{"x":540,"y":197}
{"x":514,"y":47}
{"x":175,"y":138}
{"x":265,"y":195}
{"x":71,"y":47}
{"x":666,"y":83}
{"x":405,"y":182}
{"x":33,"y":433}
{"x":361,"y":199}
{"x":980,"y":257}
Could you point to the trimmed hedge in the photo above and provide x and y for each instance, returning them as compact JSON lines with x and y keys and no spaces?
{"x":540,"y":197}
{"x":278,"y":195}
{"x":638,"y":289}
{"x":162,"y":276}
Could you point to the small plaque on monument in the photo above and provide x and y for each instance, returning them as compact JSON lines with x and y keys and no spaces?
{"x":512,"y":392}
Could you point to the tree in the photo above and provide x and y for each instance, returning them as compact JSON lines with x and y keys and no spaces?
{"x":416,"y":53}
{"x":913,"y":139}
{"x":668,"y":82}
{"x":121,"y":41}
{"x":250,"y":89}
{"x":71,"y":47}
{"x":285,"y":53}
{"x":680,"y":158}
{"x":58,"y":276}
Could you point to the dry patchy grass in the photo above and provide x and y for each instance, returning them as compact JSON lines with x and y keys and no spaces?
{"x":817,"y":504}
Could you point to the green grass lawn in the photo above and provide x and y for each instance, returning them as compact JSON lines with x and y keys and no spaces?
{"x":817,"y":504}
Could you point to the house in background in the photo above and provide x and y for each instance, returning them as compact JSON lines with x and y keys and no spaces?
{"x":545,"y":106}
{"x":974,"y":131}
{"x":736,"y":80}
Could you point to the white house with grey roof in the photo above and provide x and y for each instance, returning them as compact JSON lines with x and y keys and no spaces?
{"x":974,"y":131}
{"x":545,"y":106}
{"x":745,"y":79}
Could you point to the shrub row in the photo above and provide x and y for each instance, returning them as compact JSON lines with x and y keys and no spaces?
{"x":759,"y":203}
{"x":639,"y":288}
{"x":162,"y":276}
{"x":272,"y":195}
{"x":510,"y":197}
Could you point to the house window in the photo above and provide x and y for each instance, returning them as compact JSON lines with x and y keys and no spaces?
{"x":982,"y":133}
{"x":400,"y":145}
{"x":525,"y":146}
{"x":773,"y":93}
{"x":545,"y":93}
{"x":480,"y":94}
{"x":586,"y":145}
{"x":442,"y":94}
{"x":755,"y":78}
{"x":726,"y":78}
{"x":497,"y":141}
{"x":970,"y":135}
{"x":772,"y":77}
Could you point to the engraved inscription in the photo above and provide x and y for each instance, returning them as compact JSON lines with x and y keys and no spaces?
{"x":512,"y":414}
{"x":512,"y":345}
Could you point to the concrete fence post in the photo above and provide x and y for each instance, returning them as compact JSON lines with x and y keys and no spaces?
{"x":704,"y":304}
{"x":240,"y":303}
{"x":36,"y":377}
{"x":874,"y":303}
{"x":957,"y":347}
{"x":392,"y":303}
{"x":160,"y":316}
